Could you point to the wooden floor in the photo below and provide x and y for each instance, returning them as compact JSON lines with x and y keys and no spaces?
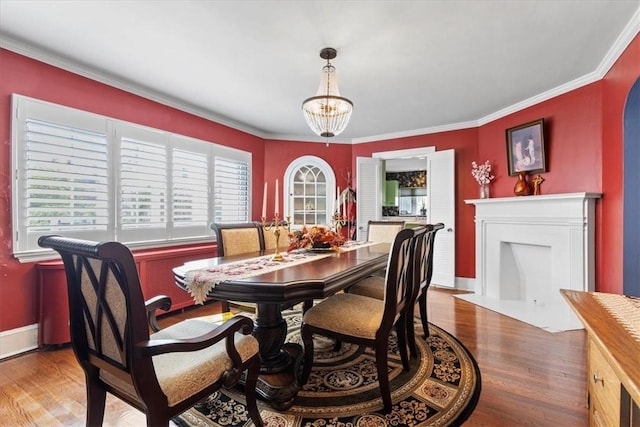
{"x":530,"y":377}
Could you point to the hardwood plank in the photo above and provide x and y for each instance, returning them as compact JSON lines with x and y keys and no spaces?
{"x":529,"y":376}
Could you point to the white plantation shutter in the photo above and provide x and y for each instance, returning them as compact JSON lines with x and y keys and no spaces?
{"x":143,"y":186}
{"x":83,"y":175}
{"x":190,"y":197}
{"x":64,"y":182}
{"x":231,"y":190}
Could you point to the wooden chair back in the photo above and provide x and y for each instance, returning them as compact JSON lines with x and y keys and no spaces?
{"x":269,"y":237}
{"x":237,"y":238}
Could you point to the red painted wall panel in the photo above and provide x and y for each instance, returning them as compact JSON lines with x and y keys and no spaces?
{"x":22,"y":75}
{"x":573,"y":148}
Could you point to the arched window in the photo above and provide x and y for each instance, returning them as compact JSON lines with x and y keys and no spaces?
{"x":310,"y":187}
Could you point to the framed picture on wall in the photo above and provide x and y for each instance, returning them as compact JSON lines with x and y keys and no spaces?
{"x":525,"y":148}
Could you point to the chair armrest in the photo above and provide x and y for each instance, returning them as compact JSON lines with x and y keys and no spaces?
{"x":160,"y":302}
{"x":226,"y":331}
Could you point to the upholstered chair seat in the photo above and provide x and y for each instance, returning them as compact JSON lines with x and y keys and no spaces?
{"x":341,"y":318}
{"x":180,"y":378}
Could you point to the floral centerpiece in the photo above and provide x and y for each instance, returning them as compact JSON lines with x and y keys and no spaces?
{"x":482,"y":174}
{"x":315,"y":237}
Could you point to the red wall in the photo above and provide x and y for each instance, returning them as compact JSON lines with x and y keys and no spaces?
{"x":572,"y":123}
{"x":21,"y":75}
{"x":584,"y":133}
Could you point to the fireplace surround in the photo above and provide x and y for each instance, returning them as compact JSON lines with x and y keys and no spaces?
{"x":527,"y":249}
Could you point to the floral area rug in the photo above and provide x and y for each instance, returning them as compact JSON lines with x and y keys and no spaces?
{"x":441,"y":388}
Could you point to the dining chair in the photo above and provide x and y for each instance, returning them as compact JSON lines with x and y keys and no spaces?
{"x":235,"y":239}
{"x":374,"y":286}
{"x":426,"y":273}
{"x":368,"y":321}
{"x":160,"y":372}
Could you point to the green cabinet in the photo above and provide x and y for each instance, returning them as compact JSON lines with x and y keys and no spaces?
{"x":391,"y":193}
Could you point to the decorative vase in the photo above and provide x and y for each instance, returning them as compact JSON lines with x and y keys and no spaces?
{"x":522,"y":187}
{"x":484,"y":191}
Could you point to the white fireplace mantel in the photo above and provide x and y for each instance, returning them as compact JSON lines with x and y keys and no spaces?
{"x":530,"y":247}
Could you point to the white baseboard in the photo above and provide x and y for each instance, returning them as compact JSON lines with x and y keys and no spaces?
{"x":19,"y":340}
{"x":466,"y":284}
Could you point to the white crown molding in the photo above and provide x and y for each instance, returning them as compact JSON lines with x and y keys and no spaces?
{"x":416,"y":132}
{"x":84,"y":70}
{"x":552,"y":93}
{"x":621,"y":43}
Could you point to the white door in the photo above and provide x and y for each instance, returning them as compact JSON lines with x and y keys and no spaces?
{"x":441,"y":208}
{"x":368,"y":193}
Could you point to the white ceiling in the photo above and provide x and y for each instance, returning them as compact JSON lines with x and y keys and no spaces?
{"x":410,"y":67}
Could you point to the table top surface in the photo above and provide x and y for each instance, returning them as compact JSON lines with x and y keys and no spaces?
{"x":315,"y":279}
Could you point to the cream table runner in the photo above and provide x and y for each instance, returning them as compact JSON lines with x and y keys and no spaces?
{"x":200,"y":282}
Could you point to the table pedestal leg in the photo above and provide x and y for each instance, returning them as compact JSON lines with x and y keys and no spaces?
{"x":280,"y":363}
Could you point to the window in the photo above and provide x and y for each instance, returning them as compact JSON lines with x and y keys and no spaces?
{"x":310,"y":184}
{"x":83,"y":175}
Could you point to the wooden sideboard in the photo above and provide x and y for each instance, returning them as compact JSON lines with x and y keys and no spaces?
{"x":613,"y":372}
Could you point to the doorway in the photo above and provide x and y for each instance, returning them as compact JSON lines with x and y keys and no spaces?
{"x":440,"y":204}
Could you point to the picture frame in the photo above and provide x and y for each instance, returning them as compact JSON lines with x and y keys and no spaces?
{"x":525,"y":148}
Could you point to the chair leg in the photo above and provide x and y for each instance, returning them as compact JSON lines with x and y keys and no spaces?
{"x":224,"y":306}
{"x":307,"y":340}
{"x":96,"y":398}
{"x":401,"y":333}
{"x":306,"y":305}
{"x":250,"y":391}
{"x":154,"y":420}
{"x":411,"y":333}
{"x":422,"y":301}
{"x":383,"y":375}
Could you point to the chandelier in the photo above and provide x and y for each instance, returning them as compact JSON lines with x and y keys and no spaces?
{"x":327,"y":113}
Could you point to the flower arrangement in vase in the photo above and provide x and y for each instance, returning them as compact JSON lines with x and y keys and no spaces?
{"x":317,"y":237}
{"x":482,"y":174}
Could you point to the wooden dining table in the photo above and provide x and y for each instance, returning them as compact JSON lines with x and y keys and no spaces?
{"x":283,"y":288}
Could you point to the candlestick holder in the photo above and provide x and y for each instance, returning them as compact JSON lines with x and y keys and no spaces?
{"x":338,"y":222}
{"x":276,"y":227}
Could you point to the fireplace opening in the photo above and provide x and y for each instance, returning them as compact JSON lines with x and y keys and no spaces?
{"x":525,"y":273}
